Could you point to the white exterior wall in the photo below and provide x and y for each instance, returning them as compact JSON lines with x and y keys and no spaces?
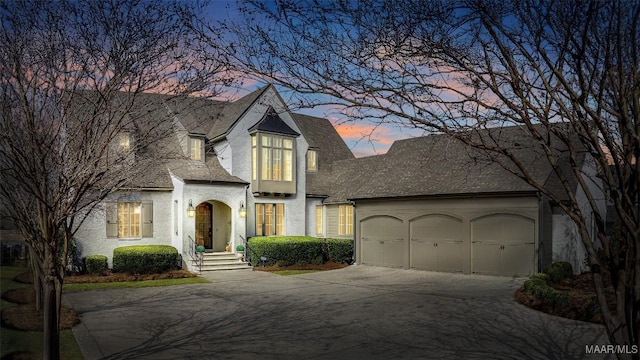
{"x":231,"y":195}
{"x":225,"y":155}
{"x":92,"y":235}
{"x":567,"y":244}
{"x":176,"y":196}
{"x":311,"y":217}
{"x":240,"y":145}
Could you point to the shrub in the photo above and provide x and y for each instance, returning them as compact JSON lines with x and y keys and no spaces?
{"x":96,"y":264}
{"x":538,"y":285}
{"x":339,"y":250}
{"x":558,"y":271}
{"x":282,"y":263}
{"x":294,"y":249}
{"x":146,"y":259}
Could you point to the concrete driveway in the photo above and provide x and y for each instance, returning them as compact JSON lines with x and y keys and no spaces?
{"x":359,"y":312}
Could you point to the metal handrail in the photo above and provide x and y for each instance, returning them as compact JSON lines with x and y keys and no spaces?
{"x":195,"y":255}
{"x":245,"y":255}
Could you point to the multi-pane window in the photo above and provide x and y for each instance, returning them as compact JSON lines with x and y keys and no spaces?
{"x":129,"y":219}
{"x":319,"y":219}
{"x":275,"y":156}
{"x":312,"y":160}
{"x":269,"y":219}
{"x":345,"y":220}
{"x":195,"y":148}
{"x":254,"y":157}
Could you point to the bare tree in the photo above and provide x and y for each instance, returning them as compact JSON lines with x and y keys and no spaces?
{"x":75,"y":122}
{"x":566,"y":72}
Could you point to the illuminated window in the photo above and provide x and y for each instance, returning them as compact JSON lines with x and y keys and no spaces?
{"x":129,"y":219}
{"x":345,"y":220}
{"x":269,"y":219}
{"x":275,"y":158}
{"x":196,"y":147}
{"x":312,"y":160}
{"x":319,"y":220}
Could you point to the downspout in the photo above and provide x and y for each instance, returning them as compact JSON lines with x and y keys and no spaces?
{"x":353,"y":257}
{"x":541,"y":242}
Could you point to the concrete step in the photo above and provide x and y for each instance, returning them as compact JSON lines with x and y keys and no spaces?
{"x":220,"y":261}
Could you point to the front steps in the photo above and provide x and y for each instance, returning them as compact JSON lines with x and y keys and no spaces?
{"x":220,"y":261}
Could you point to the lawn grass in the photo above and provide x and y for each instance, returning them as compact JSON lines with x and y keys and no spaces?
{"x":29,"y":341}
{"x":32,"y":341}
{"x":293,"y":272}
{"x":132,"y":284}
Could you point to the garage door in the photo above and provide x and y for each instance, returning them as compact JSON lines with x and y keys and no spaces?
{"x":437,"y":244}
{"x":383,"y":242}
{"x":503,"y":244}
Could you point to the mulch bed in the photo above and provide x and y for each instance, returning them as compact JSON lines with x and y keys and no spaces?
{"x":581,"y":289}
{"x":329,"y":265}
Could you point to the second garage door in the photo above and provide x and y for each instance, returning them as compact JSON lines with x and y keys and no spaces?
{"x":437,"y":244}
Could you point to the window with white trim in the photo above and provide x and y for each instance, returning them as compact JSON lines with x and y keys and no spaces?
{"x":312,"y":160}
{"x":345,"y":220}
{"x":196,"y":148}
{"x":269,"y":219}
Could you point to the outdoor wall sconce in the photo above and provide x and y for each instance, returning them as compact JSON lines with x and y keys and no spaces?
{"x":243,"y":210}
{"x":191,"y":212}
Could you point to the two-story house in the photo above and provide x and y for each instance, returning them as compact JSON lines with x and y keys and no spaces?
{"x":253,"y":168}
{"x":246,"y":168}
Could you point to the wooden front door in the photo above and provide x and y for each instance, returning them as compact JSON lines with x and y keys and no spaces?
{"x":203,"y":226}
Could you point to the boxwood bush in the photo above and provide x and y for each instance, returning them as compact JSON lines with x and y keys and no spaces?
{"x":539,"y":286}
{"x":146,"y":259}
{"x":558,"y":271}
{"x":96,"y":264}
{"x":296,"y":249}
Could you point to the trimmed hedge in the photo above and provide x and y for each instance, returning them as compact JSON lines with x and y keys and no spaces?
{"x":96,"y":264}
{"x":146,"y":259}
{"x":289,"y":250}
{"x":539,"y":285}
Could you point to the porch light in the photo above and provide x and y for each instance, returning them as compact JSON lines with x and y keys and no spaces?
{"x":242,"y":211}
{"x":191,"y":212}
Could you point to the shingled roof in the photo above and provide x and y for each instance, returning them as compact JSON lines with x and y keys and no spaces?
{"x":439,"y":165}
{"x":322,"y":137}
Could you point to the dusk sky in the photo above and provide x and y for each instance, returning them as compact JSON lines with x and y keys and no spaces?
{"x":363,"y":139}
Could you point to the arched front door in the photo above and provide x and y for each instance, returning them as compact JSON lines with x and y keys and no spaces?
{"x":213,"y":225}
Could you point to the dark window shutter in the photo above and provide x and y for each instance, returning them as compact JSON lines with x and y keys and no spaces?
{"x":147,"y":219}
{"x":112,"y":218}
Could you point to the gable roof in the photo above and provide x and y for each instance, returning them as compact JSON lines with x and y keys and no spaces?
{"x":439,"y":165}
{"x":232,"y":112}
{"x":322,"y":137}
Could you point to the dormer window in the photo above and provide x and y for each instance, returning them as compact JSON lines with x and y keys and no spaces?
{"x":196,"y":148}
{"x":312,"y":160}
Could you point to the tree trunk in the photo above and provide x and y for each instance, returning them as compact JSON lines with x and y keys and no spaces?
{"x":37,"y":278}
{"x":51,"y":329}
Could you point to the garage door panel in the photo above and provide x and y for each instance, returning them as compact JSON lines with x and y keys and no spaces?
{"x":423,"y":254}
{"x":451,"y":256}
{"x":517,"y":260}
{"x":371,"y":252}
{"x":383,"y":241}
{"x":503,"y":244}
{"x":485,"y":258}
{"x":393,"y":253}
